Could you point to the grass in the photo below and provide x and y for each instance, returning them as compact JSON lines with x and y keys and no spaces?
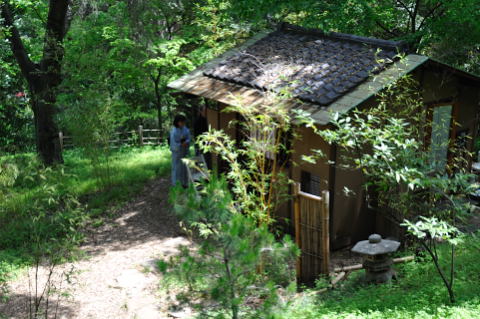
{"x":44,"y":202}
{"x":131,"y":168}
{"x":418,"y":293}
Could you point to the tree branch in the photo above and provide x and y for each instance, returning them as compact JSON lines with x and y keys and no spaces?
{"x":384,"y":28}
{"x":403,"y":5}
{"x":54,"y":33}
{"x":71,"y":13}
{"x":429,"y":14}
{"x":13,"y":35}
{"x":414,"y":16}
{"x":57,"y":17}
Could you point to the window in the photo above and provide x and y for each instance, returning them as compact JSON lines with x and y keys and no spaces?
{"x":440,"y":137}
{"x":264,"y":143}
{"x":310,"y":183}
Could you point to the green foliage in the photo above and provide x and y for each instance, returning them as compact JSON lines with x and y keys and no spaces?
{"x":104,"y":65}
{"x":129,"y":52}
{"x":8,"y":174}
{"x":386,"y":143}
{"x":237,"y":259}
{"x":430,"y":231}
{"x":92,"y":126}
{"x":16,"y":124}
{"x":256,"y":164}
{"x":418,"y":292}
{"x":49,"y":205}
{"x":16,"y":118}
{"x":49,"y":211}
{"x":433,"y":229}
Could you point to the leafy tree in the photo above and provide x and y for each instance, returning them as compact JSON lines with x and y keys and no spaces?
{"x":43,"y":77}
{"x":431,"y":231}
{"x":386,"y":143}
{"x":167,"y":65}
{"x":255,"y":165}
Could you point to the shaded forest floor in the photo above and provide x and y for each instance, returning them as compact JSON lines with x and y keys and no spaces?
{"x":118,"y":278}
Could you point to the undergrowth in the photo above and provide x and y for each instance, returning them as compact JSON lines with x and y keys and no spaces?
{"x":54,"y":204}
{"x":418,"y":293}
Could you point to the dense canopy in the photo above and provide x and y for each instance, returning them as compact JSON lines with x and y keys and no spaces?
{"x":123,"y":53}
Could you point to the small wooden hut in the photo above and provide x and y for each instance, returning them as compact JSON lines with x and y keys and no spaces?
{"x":332,"y":72}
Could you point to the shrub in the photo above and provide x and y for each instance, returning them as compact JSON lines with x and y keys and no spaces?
{"x":235,"y":266}
{"x":430,"y":231}
{"x":92,"y":125}
{"x":388,"y":144}
{"x":38,"y":205}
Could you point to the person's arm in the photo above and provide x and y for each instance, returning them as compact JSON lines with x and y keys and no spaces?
{"x":174,"y":141}
{"x":187,"y":136}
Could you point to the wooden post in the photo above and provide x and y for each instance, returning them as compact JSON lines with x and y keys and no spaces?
{"x":60,"y":138}
{"x":140,"y":135}
{"x":325,"y":232}
{"x":296,"y":212}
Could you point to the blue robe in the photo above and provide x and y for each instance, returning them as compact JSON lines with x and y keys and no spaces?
{"x":179,"y":170}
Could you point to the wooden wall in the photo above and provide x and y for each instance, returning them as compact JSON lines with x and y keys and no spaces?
{"x":350,"y":219}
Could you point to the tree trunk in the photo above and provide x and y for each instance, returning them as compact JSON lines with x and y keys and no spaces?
{"x":159,"y":116}
{"x":46,"y":130}
{"x":158,"y":101}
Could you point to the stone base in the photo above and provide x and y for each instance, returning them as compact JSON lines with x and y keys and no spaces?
{"x":378,"y":277}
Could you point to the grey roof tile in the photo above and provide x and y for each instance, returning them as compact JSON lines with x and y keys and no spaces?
{"x":323,"y":66}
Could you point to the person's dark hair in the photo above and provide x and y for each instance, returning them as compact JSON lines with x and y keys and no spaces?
{"x":179,"y":118}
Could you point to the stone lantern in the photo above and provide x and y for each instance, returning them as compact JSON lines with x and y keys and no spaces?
{"x":377,"y":262}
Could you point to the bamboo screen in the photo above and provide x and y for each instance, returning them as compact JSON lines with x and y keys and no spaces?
{"x":312,"y":234}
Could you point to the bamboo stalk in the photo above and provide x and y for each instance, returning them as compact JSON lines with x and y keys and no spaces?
{"x":310,"y":196}
{"x":349,"y":268}
{"x":360,"y":266}
{"x":325,"y":231}
{"x":60,"y":138}
{"x":296,"y":211}
{"x":339,"y":277}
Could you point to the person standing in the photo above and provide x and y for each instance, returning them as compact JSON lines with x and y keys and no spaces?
{"x":179,"y":145}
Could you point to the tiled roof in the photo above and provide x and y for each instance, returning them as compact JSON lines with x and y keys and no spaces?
{"x":319,"y":67}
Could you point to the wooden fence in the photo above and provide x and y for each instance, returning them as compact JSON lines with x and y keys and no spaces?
{"x":311,"y":215}
{"x":140,"y":137}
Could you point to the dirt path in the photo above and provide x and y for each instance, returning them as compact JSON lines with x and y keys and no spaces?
{"x":118,"y":278}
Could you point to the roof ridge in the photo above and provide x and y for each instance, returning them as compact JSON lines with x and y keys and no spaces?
{"x":398,"y":45}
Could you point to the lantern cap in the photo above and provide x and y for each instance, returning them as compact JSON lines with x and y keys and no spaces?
{"x":375,"y":245}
